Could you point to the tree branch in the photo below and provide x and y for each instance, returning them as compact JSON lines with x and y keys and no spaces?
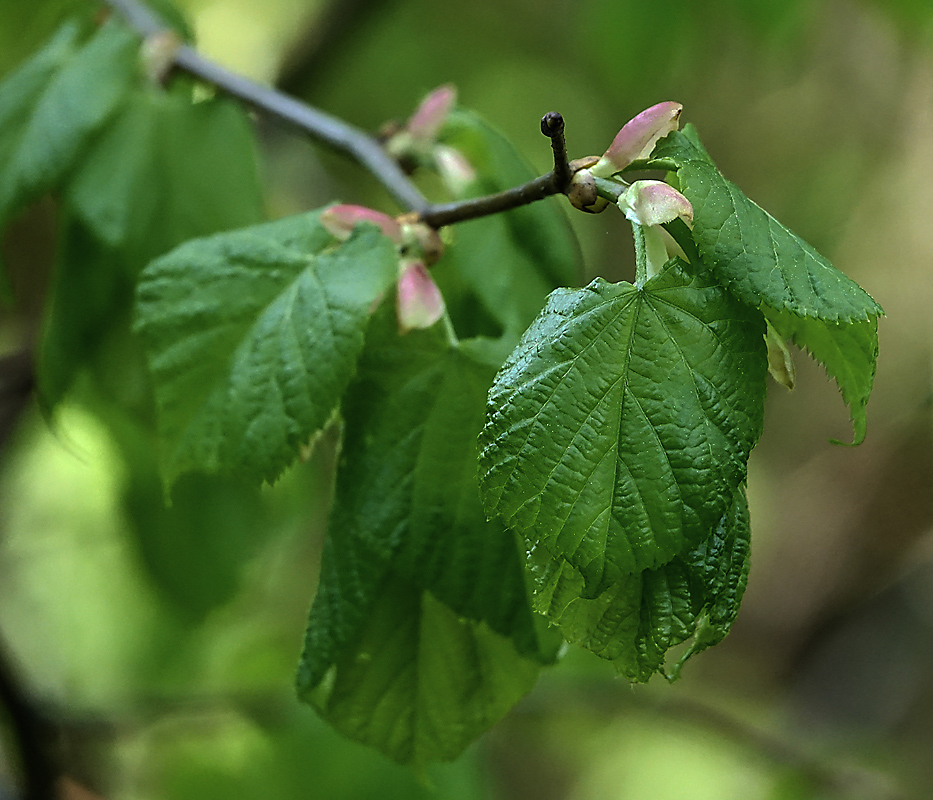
{"x":343,"y":136}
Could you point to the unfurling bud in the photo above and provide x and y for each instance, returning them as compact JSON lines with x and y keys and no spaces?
{"x":456,"y":172}
{"x":340,"y":221}
{"x":420,"y":240}
{"x":429,"y":117}
{"x":780,"y":361}
{"x":649,"y":204}
{"x":654,"y":203}
{"x":638,"y":137}
{"x":419,"y":303}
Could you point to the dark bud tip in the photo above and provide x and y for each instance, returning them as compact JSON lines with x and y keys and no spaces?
{"x":552,"y":124}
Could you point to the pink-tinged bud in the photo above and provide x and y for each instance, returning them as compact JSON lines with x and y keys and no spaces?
{"x":780,"y":361}
{"x":426,"y":122}
{"x":419,"y":302}
{"x":649,"y":204}
{"x":454,"y":168}
{"x":654,"y":203}
{"x":638,"y":137}
{"x":420,"y":240}
{"x":340,"y":221}
{"x":158,"y":55}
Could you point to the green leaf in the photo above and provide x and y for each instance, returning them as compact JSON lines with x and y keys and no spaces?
{"x":757,"y":258}
{"x":166,"y":171}
{"x":417,"y":682}
{"x":169,"y":170}
{"x":765,"y":265}
{"x":620,"y":427}
{"x":252,"y":336}
{"x":635,"y":622}
{"x":507,"y":263}
{"x":421,"y":635}
{"x":848,"y":352}
{"x":52,"y":106}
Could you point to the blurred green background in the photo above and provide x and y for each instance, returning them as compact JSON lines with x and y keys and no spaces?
{"x":173,"y":676}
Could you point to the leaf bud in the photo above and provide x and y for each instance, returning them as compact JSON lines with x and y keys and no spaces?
{"x":420,"y":240}
{"x":158,"y":55}
{"x":425,"y":124}
{"x":340,"y":220}
{"x":583,"y":195}
{"x":654,"y":203}
{"x":780,"y":360}
{"x":638,"y":137}
{"x":419,"y":303}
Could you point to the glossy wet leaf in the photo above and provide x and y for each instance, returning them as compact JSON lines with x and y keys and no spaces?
{"x":421,"y":635}
{"x":765,"y":265}
{"x":757,"y":258}
{"x":252,"y":336}
{"x":635,"y":622}
{"x":620,"y":427}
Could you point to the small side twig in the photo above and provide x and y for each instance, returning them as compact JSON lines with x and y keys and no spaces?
{"x":557,"y":181}
{"x":552,"y":126}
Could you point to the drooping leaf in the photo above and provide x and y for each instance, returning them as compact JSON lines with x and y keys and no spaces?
{"x":507,"y":262}
{"x":167,"y":170}
{"x":620,"y":427}
{"x":635,"y":622}
{"x":757,"y":258}
{"x":847,"y":351}
{"x":52,"y":106}
{"x":720,"y":567}
{"x":252,"y":336}
{"x":765,"y":265}
{"x":421,"y":635}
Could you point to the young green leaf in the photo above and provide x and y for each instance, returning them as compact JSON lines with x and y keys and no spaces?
{"x":252,"y":336}
{"x":757,"y":258}
{"x":421,"y":635}
{"x":635,"y":622}
{"x":765,"y":265}
{"x":52,"y":106}
{"x":167,"y":170}
{"x":620,"y":427}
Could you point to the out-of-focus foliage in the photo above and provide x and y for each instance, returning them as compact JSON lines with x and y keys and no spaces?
{"x":821,"y":111}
